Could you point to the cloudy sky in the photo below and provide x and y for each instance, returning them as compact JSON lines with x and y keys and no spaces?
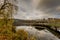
{"x":36,"y":9}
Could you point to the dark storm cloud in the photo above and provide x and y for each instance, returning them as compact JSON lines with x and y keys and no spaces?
{"x":50,"y":3}
{"x":46,"y":9}
{"x":50,"y":6}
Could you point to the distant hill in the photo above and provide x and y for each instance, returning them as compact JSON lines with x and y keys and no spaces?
{"x":17,"y":22}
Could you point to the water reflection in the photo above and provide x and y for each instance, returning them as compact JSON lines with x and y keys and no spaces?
{"x":41,"y":35}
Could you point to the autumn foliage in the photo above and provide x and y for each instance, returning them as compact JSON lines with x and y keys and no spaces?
{"x":7,"y":30}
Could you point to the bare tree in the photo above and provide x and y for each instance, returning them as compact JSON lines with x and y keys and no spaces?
{"x":6,"y":11}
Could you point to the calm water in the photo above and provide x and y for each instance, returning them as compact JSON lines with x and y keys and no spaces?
{"x":40,"y":34}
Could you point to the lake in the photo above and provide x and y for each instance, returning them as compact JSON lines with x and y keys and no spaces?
{"x":40,"y":34}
